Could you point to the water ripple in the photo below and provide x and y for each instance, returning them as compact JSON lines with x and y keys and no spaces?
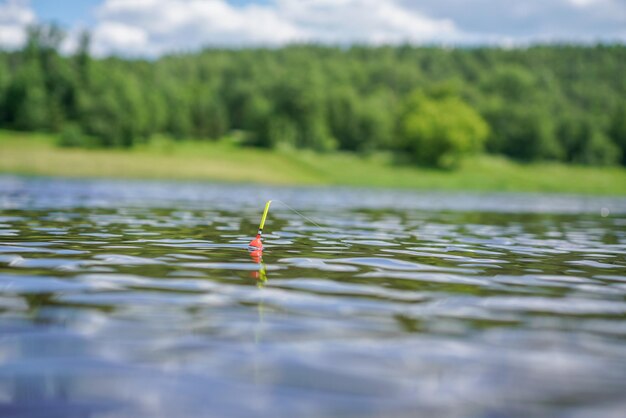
{"x":141,"y":299}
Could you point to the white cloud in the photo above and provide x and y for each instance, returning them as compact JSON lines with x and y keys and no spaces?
{"x":154,"y":26}
{"x":15,"y":16}
{"x":115,"y":36}
{"x":366,"y":21}
{"x":584,"y":3}
{"x":530,"y":21}
{"x":167,"y":25}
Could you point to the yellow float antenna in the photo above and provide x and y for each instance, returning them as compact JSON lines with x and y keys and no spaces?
{"x":264,"y":217}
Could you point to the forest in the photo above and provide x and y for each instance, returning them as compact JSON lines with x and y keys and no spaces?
{"x":427,"y":105}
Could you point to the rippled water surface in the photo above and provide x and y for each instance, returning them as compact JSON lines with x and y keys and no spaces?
{"x":142,"y":299}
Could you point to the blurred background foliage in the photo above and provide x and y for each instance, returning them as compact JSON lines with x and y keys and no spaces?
{"x":430,"y":105}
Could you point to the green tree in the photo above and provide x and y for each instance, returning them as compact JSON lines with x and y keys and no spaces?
{"x":82,"y":58}
{"x":27,"y":100}
{"x":440,"y":131}
{"x":599,"y":150}
{"x":522,"y":132}
{"x":618,"y":130}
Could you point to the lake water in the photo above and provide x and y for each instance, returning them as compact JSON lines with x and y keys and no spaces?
{"x":129,"y":299}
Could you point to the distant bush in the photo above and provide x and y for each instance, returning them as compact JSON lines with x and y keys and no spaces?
{"x":524,"y":132}
{"x":618,"y":131}
{"x":584,"y":143}
{"x":599,"y":150}
{"x":73,"y":136}
{"x":440,"y":131}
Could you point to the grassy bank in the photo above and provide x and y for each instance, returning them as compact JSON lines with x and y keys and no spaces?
{"x":37,"y":154}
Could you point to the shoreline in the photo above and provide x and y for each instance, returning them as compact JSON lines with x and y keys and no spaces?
{"x":35,"y":154}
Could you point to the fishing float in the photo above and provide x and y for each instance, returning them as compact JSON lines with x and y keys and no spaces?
{"x":257,"y":243}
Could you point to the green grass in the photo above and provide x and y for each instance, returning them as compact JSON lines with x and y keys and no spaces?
{"x":37,"y":154}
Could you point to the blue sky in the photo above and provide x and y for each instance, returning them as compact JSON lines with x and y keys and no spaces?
{"x":154,"y":27}
{"x":70,"y":12}
{"x":67,"y":12}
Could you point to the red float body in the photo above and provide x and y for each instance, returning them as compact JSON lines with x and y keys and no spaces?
{"x":256,"y":243}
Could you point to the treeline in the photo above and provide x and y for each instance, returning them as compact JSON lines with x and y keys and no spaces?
{"x":429,"y":104}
